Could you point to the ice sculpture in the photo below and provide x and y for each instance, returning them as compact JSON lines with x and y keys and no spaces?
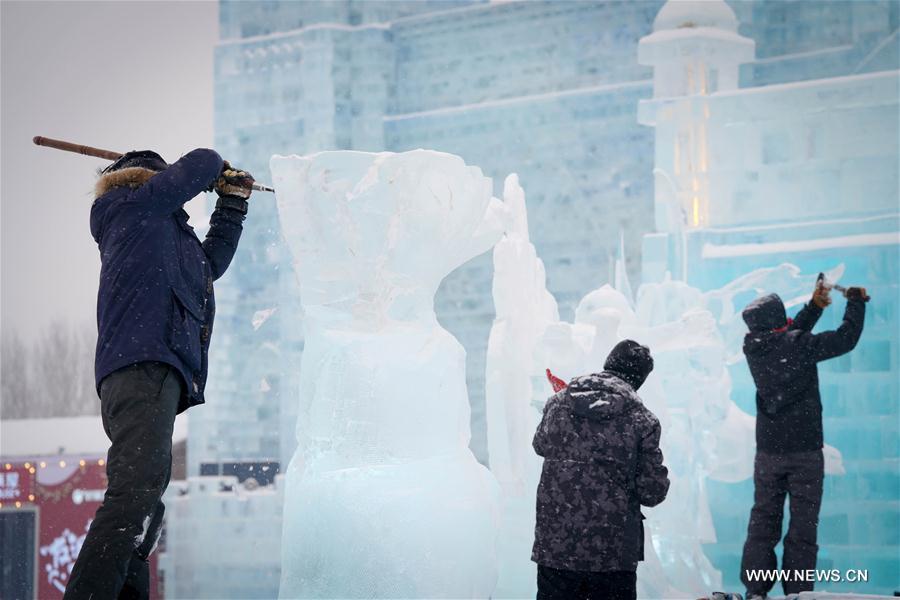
{"x":524,"y":308}
{"x":690,"y":391}
{"x":706,"y":436}
{"x":693,"y":335}
{"x":383,"y":497}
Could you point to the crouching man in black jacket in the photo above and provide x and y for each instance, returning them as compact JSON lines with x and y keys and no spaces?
{"x":602,"y":462}
{"x":155,"y":310}
{"x":782,"y":356}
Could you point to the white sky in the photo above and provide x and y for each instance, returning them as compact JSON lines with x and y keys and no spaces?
{"x":116,"y":75}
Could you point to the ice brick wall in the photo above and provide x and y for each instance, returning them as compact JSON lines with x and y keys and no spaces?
{"x":241,"y":19}
{"x":809,"y":150}
{"x":860,"y":517}
{"x":516,"y":49}
{"x":859,"y":525}
{"x":805,"y":173}
{"x":798,"y":40}
{"x":548,"y":90}
{"x":221,"y":540}
{"x":836,"y":159}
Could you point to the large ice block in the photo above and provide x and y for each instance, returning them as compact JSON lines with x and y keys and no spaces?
{"x":383,"y":496}
{"x":222,"y":538}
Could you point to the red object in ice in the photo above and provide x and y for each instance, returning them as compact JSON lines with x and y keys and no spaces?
{"x":557,"y":383}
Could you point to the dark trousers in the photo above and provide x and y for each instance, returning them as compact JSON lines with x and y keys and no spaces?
{"x":560,"y":584}
{"x":798,"y":476}
{"x":138,"y":406}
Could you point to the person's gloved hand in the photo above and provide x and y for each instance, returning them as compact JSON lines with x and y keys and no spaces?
{"x":857,"y":293}
{"x":234,"y":182}
{"x":821,"y":295}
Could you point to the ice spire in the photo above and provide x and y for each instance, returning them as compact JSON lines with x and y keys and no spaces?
{"x":622,"y":284}
{"x":695,"y":50}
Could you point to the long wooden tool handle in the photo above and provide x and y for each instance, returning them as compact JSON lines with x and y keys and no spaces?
{"x":70,"y":147}
{"x":101,"y":153}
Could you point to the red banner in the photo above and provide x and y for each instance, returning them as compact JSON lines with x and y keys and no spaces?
{"x":16,"y":485}
{"x":66,"y":492}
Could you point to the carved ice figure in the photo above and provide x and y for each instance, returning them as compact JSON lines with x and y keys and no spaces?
{"x":606,"y":310}
{"x":524,"y":308}
{"x":383,"y":496}
{"x":693,"y":336}
{"x":691,"y":387}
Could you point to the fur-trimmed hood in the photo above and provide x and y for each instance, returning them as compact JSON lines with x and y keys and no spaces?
{"x":133,"y":177}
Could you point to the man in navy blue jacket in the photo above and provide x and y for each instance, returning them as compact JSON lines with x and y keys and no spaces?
{"x":155,"y":312}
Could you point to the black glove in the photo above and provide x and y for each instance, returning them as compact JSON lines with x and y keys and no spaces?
{"x":857,"y":293}
{"x":234,"y":203}
{"x":234,"y":182}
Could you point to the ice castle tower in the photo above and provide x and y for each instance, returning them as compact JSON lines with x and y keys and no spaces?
{"x":695,"y":51}
{"x":803,"y":173}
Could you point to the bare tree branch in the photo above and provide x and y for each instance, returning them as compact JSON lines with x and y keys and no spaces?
{"x":53,"y":377}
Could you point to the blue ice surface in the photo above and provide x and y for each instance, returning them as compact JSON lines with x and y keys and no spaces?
{"x":549,"y":90}
{"x":815,"y":188}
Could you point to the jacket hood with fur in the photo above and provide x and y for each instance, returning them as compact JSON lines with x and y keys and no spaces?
{"x":133,"y":177}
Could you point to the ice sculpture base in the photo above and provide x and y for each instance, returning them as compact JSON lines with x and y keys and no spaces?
{"x":402,"y":528}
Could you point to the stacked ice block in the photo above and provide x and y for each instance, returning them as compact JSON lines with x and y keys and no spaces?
{"x":222,"y":539}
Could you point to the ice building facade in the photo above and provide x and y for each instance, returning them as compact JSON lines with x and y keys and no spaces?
{"x":794,"y":172}
{"x":550,"y":90}
{"x":545,"y":89}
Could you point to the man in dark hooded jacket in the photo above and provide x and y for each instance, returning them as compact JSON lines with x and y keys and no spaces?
{"x":782,"y":356}
{"x":602,"y":462}
{"x":155,"y":311}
